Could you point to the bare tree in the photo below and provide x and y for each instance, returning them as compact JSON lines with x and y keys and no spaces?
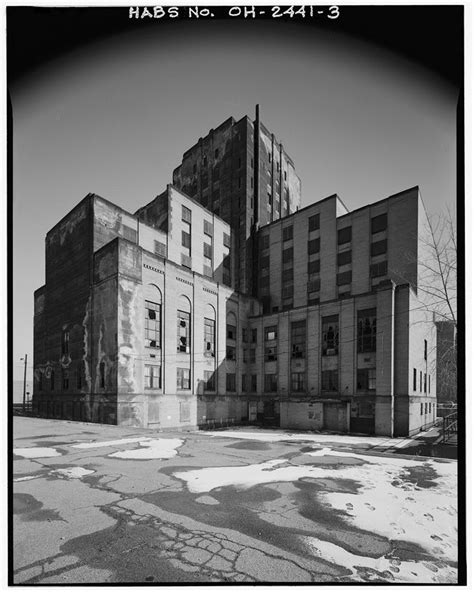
{"x":437,"y":288}
{"x":438,"y":267}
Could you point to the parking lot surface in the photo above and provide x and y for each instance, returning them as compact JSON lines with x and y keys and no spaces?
{"x":106,"y":504}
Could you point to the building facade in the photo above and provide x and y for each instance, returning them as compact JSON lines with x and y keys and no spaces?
{"x":242,"y":173}
{"x":176,"y":316}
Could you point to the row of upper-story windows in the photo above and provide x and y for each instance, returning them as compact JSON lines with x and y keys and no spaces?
{"x":424,"y":381}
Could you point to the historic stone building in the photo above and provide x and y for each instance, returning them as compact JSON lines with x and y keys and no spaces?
{"x":220,"y":302}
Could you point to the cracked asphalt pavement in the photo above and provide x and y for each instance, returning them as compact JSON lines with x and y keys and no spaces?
{"x":106,"y":504}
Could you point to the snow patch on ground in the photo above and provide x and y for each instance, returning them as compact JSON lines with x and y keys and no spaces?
{"x":387,"y":503}
{"x":27,"y":478}
{"x":162,"y":448}
{"x":389,"y":568}
{"x":279,"y":436}
{"x":36,"y":452}
{"x":390,"y":504}
{"x":72,"y":472}
{"x":121,"y":442}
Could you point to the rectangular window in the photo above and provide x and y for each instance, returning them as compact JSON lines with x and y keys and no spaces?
{"x":265,"y":262}
{"x":102,"y":374}
{"x":378,"y":248}
{"x":65,"y":343}
{"x":426,"y":350}
{"x":186,"y":239}
{"x":271,"y":383}
{"x":298,"y":339}
{"x":244,"y":385}
{"x":344,"y":278}
{"x":378,"y":269}
{"x":287,"y":233}
{"x":330,"y":330}
{"x":314,"y":285}
{"x":209,"y":380}
{"x":313,"y":222}
{"x":344,"y":235}
{"x":209,"y":337}
{"x":207,"y":250}
{"x":160,"y":249}
{"x":254,"y":335}
{"x":366,"y":379}
{"x":329,"y":380}
{"x":378,"y":223}
{"x":230,"y":382}
{"x":231,"y":332}
{"x":270,"y":353}
{"x":186,"y":261}
{"x":208,"y":229}
{"x":344,"y":258}
{"x":287,"y":275}
{"x":244,"y":334}
{"x":253,"y":383}
{"x":287,"y":292}
{"x":252,"y":355}
{"x":183,"y":379}
{"x":184,"y":332}
{"x":226,"y":240}
{"x":270,"y":333}
{"x":367,"y":330}
{"x":421,"y":408}
{"x":314,"y":266}
{"x":421,"y":381}
{"x":314,"y":246}
{"x":186,"y":214}
{"x":414,"y":379}
{"x":152,"y":376}
{"x":230,"y":353}
{"x":152,"y":324}
{"x":265,"y":241}
{"x":65,"y":374}
{"x":287,"y":255}
{"x":424,"y":383}
{"x":297,"y":381}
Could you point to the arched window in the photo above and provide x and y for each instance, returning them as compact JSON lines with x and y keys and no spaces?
{"x":152,"y":316}
{"x":184,"y":325}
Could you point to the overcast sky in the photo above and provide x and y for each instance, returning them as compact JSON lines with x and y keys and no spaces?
{"x":115,"y":117}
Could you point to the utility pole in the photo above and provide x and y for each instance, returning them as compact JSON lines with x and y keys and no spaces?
{"x":24,"y":382}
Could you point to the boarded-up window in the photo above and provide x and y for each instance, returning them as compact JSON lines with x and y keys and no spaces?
{"x":184,"y":411}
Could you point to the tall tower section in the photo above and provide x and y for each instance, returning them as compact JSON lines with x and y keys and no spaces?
{"x":241,"y":172}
